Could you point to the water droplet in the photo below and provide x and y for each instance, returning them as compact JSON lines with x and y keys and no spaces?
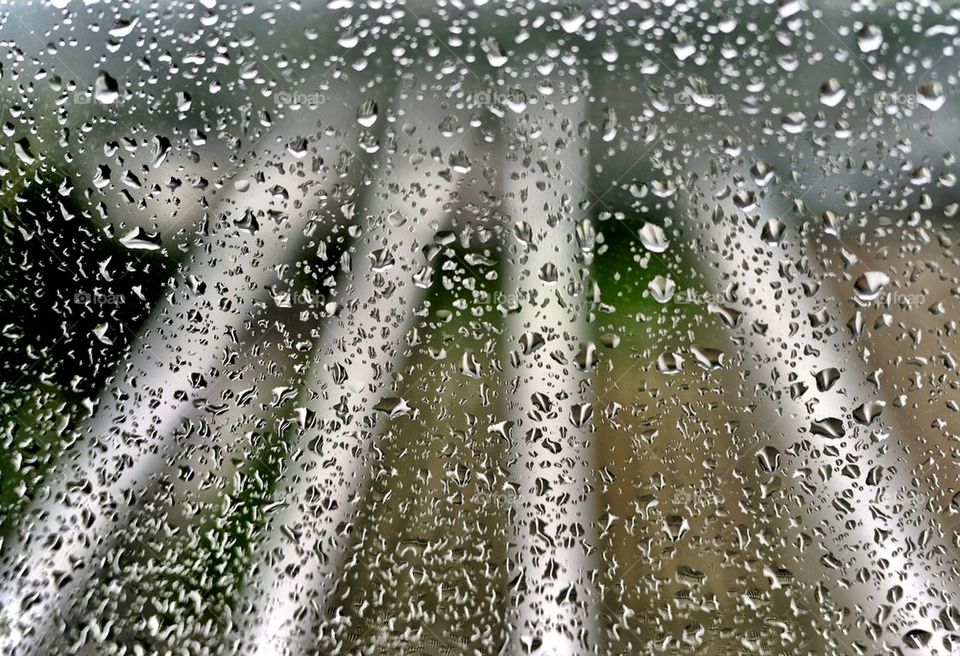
{"x":869,"y":38}
{"x":832,"y":92}
{"x":653,"y":238}
{"x":869,"y":285}
{"x":773,"y":231}
{"x":106,"y":89}
{"x":931,"y":96}
{"x":662,"y":289}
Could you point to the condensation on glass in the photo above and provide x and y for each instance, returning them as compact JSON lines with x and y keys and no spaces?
{"x":472,"y":327}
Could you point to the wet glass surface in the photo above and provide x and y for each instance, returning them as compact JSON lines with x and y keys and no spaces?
{"x":479,"y":328}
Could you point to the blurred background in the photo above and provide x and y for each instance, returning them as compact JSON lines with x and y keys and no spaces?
{"x":479,"y":328}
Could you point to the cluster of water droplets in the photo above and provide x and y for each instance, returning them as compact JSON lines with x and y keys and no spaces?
{"x":479,"y":328}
